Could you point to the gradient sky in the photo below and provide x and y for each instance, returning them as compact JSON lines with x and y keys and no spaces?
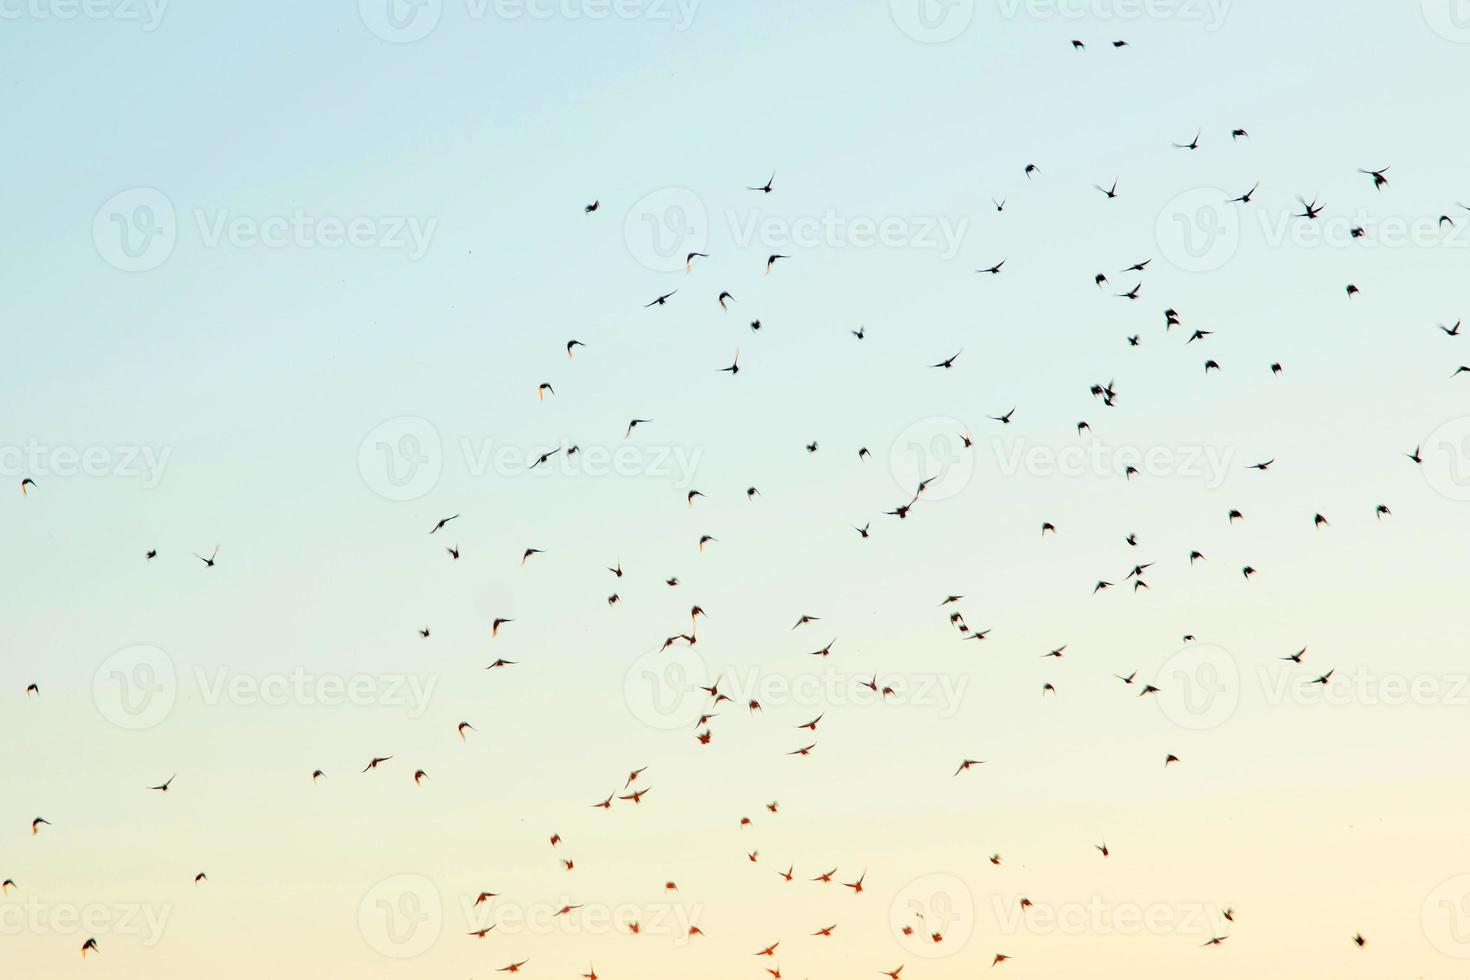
{"x":267,"y":395}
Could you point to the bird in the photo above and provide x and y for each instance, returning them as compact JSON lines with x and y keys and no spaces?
{"x":1111,"y":192}
{"x":993,"y":270}
{"x":1310,"y":211}
{"x":163,"y":786}
{"x":1380,"y":178}
{"x":947,"y":363}
{"x":661,"y":300}
{"x":766,"y":187}
{"x":591,"y":207}
{"x":1192,"y":144}
{"x":208,"y":562}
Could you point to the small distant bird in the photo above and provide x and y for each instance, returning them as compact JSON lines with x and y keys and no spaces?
{"x":1380,"y":178}
{"x":591,"y":207}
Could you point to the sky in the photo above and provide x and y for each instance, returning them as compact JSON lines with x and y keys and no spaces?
{"x":285,"y":278}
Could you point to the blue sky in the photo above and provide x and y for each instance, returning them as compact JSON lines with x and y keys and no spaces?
{"x":221,"y":385}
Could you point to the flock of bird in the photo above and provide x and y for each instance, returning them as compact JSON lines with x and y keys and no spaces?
{"x":636,"y":787}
